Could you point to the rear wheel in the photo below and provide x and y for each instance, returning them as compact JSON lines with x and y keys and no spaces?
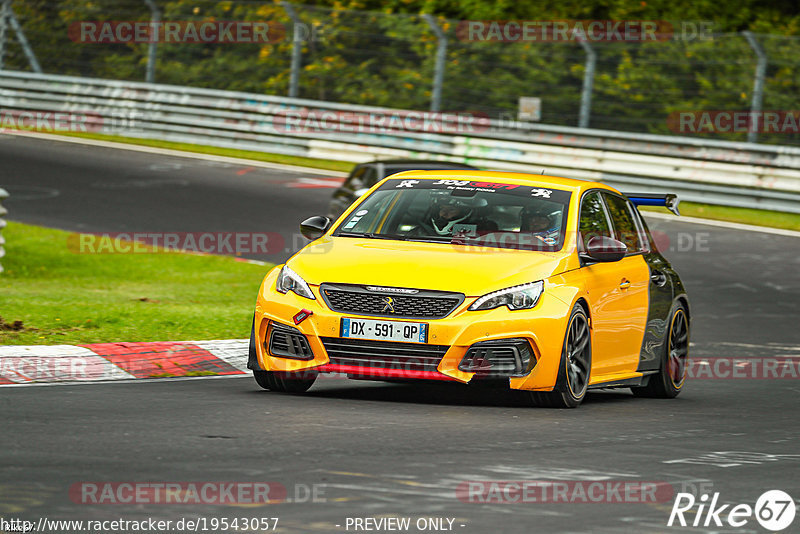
{"x":668,"y":382}
{"x":575,"y":368}
{"x":285,"y":382}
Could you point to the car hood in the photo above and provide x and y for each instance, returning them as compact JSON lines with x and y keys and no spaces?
{"x":435,"y":266}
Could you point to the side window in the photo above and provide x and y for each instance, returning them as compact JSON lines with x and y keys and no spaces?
{"x":593,"y":220}
{"x":356,"y":180}
{"x":625,"y":227}
{"x":371,"y":177}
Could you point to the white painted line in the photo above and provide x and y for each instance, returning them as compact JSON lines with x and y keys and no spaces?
{"x":232,"y":351}
{"x":721,"y":224}
{"x":180,"y":153}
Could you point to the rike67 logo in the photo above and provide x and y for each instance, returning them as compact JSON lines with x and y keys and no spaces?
{"x":774,"y":510}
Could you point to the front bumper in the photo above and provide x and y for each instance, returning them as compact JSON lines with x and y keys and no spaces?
{"x":543,"y":327}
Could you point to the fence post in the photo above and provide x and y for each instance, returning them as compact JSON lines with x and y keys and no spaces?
{"x":758,"y":86}
{"x":297,"y":50}
{"x":23,"y":42}
{"x":588,"y":83}
{"x":152,"y":48}
{"x":5,"y":9}
{"x":3,"y":211}
{"x":441,"y":56}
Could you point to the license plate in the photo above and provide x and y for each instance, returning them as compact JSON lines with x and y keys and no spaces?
{"x":384,"y":330}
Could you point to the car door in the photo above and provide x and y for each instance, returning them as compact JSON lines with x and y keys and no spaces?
{"x":617,"y":291}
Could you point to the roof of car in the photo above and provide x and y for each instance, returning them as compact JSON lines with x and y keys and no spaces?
{"x":508,"y":177}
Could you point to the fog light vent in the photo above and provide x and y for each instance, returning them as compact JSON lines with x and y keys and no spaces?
{"x":501,"y":357}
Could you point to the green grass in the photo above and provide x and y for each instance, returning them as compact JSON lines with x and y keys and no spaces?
{"x":773,"y":219}
{"x":327,"y":164}
{"x":64,"y":297}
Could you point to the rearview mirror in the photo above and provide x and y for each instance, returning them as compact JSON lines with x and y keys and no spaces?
{"x":604,"y":249}
{"x":315,"y":227}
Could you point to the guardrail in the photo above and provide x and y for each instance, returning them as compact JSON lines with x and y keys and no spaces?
{"x":716,"y":172}
{"x":3,"y":211}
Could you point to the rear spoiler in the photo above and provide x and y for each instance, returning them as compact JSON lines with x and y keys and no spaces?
{"x":669,"y":201}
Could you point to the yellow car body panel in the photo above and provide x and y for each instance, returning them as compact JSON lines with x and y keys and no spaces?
{"x":616,"y":293}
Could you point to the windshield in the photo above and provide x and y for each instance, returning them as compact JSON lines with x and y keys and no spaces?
{"x":462,"y":212}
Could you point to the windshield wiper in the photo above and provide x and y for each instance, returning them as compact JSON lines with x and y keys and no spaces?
{"x":422,"y":238}
{"x":370,"y":235}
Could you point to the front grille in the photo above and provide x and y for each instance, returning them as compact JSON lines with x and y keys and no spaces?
{"x":384,"y":354}
{"x":289,"y":342}
{"x":359,"y":300}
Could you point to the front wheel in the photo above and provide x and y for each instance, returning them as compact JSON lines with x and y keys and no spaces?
{"x":285,"y":382}
{"x":668,"y":381}
{"x":575,"y":368}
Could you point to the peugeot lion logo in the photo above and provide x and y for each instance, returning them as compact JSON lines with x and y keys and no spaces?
{"x":388,"y":305}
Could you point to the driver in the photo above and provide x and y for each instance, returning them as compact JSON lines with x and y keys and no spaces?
{"x":538,"y":220}
{"x":451,"y":212}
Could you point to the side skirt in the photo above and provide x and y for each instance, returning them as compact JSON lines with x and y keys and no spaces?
{"x":625,"y":383}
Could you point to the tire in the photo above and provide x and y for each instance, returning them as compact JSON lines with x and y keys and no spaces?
{"x":576,"y":365}
{"x":668,"y":382}
{"x":252,"y":358}
{"x":284,"y":382}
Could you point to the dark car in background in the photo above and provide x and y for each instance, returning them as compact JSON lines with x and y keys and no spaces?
{"x":365,"y":175}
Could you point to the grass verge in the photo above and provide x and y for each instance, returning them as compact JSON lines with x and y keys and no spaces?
{"x":56,"y":296}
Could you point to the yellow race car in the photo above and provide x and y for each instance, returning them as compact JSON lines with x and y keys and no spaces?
{"x":549,"y":285}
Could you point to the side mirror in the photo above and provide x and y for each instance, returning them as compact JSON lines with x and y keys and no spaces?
{"x":604,"y":249}
{"x":315,"y":227}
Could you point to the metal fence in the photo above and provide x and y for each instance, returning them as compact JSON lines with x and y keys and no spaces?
{"x":717,"y":172}
{"x":425,"y":62}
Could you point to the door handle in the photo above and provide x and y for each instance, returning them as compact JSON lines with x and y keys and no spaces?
{"x":625,"y":284}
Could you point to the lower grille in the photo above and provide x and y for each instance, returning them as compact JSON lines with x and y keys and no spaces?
{"x":384,"y":354}
{"x":507,"y":357}
{"x":289,"y":342}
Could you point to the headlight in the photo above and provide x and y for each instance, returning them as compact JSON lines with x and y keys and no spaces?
{"x":288,"y":280}
{"x":522,"y":297}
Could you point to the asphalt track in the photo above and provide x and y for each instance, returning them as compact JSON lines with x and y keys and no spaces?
{"x":387,"y":450}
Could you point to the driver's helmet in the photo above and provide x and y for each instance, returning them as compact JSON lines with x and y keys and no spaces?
{"x":537,"y":218}
{"x":447,"y":211}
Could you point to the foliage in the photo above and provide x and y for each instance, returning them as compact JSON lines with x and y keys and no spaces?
{"x":382,"y":52}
